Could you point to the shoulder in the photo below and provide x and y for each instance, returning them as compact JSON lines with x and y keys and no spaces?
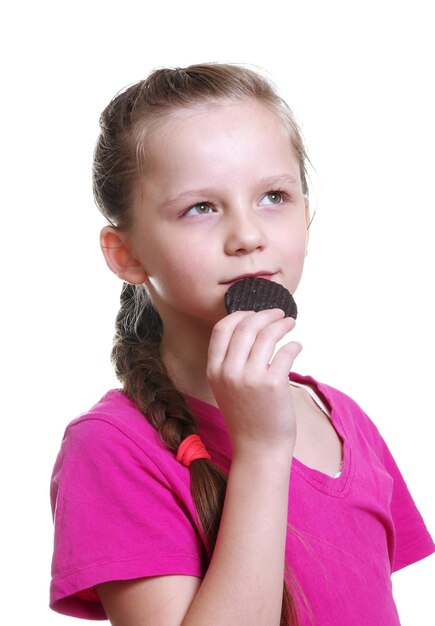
{"x":113,"y":424}
{"x":114,"y":409}
{"x":110,"y":446}
{"x":113,"y":446}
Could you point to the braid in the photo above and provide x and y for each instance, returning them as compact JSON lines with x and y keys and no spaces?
{"x":136,"y":357}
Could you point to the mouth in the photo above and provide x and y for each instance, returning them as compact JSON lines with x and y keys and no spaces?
{"x":262,"y":274}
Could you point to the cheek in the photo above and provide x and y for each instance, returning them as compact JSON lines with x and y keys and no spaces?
{"x":294,"y":247}
{"x":181,"y":268}
{"x":294,"y":252}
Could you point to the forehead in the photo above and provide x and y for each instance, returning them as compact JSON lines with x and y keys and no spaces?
{"x":218,"y":115}
{"x":218,"y":132}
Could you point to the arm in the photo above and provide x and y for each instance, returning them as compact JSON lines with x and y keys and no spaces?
{"x":244,"y":581}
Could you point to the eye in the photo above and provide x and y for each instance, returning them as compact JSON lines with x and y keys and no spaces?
{"x":202,"y":208}
{"x":273,"y":197}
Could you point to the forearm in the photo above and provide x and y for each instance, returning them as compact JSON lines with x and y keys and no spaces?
{"x":244,"y":582}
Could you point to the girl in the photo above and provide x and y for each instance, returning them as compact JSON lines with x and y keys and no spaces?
{"x":172,"y":497}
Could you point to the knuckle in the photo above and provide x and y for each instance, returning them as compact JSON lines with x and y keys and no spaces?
{"x":264,"y":333}
{"x":229,"y":376}
{"x":241,"y":329}
{"x":219,"y":329}
{"x":251,"y":378}
{"x":211,"y":372}
{"x":272,"y":384}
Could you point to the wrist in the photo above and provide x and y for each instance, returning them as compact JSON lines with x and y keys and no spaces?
{"x":264,"y":455}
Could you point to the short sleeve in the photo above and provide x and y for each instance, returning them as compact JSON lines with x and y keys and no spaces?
{"x":412,"y":539}
{"x":117,"y":516}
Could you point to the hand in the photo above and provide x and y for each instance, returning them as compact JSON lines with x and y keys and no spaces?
{"x":252,"y":388}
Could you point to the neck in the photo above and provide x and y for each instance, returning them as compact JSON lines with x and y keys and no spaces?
{"x":184,"y":354}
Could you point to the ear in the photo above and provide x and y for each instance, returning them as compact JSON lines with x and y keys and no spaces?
{"x":117,"y":251}
{"x":307,"y":221}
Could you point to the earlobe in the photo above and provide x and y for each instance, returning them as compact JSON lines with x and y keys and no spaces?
{"x":117,"y":251}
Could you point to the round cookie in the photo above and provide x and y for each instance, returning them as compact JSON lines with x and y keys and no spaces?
{"x":257,"y":294}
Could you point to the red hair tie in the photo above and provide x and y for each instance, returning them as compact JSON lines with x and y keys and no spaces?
{"x":191,"y":449}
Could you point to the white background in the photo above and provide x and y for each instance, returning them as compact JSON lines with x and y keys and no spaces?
{"x":359,"y":76}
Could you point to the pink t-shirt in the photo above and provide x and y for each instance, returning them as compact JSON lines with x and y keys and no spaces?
{"x":123,"y":510}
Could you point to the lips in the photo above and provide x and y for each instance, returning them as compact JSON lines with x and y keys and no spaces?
{"x":262,"y":274}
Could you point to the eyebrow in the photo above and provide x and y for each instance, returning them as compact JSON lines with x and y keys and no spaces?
{"x":269,"y":181}
{"x":277,"y":180}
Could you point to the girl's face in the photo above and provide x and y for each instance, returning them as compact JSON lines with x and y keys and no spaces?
{"x":222,"y":199}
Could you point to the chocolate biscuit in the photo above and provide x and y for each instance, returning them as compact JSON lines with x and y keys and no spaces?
{"x":257,"y":294}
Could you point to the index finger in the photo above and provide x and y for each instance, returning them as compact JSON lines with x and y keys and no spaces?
{"x":224,"y":331}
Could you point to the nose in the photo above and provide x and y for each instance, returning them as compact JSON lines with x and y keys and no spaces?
{"x":244,"y":233}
